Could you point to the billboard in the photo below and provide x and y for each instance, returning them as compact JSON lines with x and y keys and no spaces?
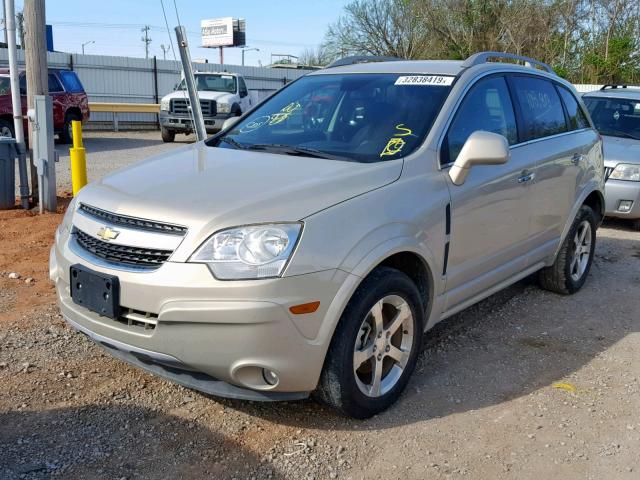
{"x":223,"y":32}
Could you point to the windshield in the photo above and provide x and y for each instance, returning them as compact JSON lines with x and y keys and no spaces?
{"x":356,"y":117}
{"x":616,"y":117}
{"x":213,"y":83}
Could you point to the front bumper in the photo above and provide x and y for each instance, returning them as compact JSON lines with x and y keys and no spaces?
{"x":184,"y":124}
{"x":210,"y":335}
{"x":619,"y":190}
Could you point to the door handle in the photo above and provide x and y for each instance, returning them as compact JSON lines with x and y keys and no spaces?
{"x":576,"y":158}
{"x":526,"y":177}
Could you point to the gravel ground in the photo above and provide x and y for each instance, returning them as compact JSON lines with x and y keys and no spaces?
{"x":525,"y":385}
{"x":108,"y":151}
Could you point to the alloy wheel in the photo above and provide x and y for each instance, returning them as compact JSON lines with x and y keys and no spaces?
{"x":581,"y":252}
{"x":383,"y":346}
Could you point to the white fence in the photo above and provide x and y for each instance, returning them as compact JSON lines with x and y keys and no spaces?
{"x":140,"y":80}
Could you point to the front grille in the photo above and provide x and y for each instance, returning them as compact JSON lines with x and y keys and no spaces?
{"x":122,"y":254}
{"x":607,"y":172}
{"x":132,"y":222}
{"x":180,"y":106}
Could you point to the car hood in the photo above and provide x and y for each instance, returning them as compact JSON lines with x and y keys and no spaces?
{"x":202,"y":95}
{"x":620,"y":150}
{"x":206,"y":188}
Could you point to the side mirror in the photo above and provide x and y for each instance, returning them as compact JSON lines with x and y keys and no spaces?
{"x":243,"y":93}
{"x":481,"y":148}
{"x":230,"y":122}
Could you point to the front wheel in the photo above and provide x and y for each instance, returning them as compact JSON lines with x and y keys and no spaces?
{"x":375,"y":346}
{"x":571,"y":268}
{"x":167,"y":135}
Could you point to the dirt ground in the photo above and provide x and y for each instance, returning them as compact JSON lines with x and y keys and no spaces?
{"x":525,"y":385}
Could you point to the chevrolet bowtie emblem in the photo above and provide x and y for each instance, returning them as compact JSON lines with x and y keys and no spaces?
{"x":105,"y":233}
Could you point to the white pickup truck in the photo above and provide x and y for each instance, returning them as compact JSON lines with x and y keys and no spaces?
{"x":222,"y":95}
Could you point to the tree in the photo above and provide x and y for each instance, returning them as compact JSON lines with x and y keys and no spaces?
{"x":377,"y":27}
{"x":318,"y":57}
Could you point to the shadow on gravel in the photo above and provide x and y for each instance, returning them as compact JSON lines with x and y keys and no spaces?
{"x":103,"y":144}
{"x":113,"y":442}
{"x":513,"y":343}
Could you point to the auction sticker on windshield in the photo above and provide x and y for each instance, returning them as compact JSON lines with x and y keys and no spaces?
{"x":437,"y":80}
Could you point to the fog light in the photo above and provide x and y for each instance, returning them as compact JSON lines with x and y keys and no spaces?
{"x":625,"y":205}
{"x":270,"y":377}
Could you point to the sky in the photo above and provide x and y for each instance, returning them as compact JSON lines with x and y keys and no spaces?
{"x":274,"y":26}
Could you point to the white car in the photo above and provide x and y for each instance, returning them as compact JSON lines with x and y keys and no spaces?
{"x":222,"y":95}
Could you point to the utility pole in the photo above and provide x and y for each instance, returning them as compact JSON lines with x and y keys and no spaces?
{"x":190,"y":82}
{"x":36,"y":65}
{"x":16,"y":101}
{"x":165,"y":49}
{"x":146,"y":40}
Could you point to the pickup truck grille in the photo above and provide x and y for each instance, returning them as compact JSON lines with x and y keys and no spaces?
{"x":121,"y":254}
{"x":180,"y":106}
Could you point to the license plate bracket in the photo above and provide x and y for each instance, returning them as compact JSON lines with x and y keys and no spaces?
{"x":95,"y":291}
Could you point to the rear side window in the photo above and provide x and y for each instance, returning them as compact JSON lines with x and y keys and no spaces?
{"x":54,"y":84}
{"x":541,"y":108}
{"x":577,"y":118}
{"x":486,"y":107}
{"x":71,"y":81}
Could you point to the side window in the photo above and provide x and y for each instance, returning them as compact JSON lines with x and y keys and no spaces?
{"x":541,"y":108}
{"x":23,"y":84}
{"x":71,"y":81}
{"x":577,"y":118}
{"x":243,"y":88}
{"x":486,"y":107}
{"x":54,"y":84}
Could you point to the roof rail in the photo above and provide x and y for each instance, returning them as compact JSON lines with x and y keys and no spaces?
{"x":612,"y":87}
{"x":362,"y":59}
{"x":483,"y":57}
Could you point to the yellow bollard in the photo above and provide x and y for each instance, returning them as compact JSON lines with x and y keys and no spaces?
{"x":78,"y":159}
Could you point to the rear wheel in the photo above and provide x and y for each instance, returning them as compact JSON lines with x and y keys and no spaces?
{"x":66,"y":135}
{"x":375,"y":345}
{"x":6,"y":129}
{"x":571,"y":268}
{"x":167,"y":135}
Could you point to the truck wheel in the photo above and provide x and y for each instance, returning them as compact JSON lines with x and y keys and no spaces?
{"x":66,"y":135}
{"x":375,"y":345}
{"x":572,"y":265}
{"x":6,"y":129}
{"x":167,"y":135}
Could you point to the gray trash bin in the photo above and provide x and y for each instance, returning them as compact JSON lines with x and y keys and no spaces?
{"x":7,"y":173}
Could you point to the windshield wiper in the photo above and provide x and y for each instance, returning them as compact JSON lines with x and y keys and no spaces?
{"x":233,"y":143}
{"x":293,"y":150}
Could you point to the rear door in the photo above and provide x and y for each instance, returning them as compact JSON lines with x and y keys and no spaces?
{"x":59,"y":99}
{"x":490,"y":221}
{"x":555,"y":133}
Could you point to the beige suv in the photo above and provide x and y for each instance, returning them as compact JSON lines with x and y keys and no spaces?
{"x":308,"y":247}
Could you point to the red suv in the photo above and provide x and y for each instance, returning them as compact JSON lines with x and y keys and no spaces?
{"x":67,"y":94}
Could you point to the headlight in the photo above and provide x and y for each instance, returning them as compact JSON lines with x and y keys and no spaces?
{"x":249,"y":252}
{"x":223,"y":108}
{"x":626,"y":171}
{"x":164,"y":104}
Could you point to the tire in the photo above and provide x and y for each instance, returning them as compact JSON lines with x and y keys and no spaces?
{"x":66,"y":135}
{"x":344,"y":387}
{"x":571,"y":268}
{"x":167,"y":135}
{"x":635,"y":224}
{"x":6,"y":129}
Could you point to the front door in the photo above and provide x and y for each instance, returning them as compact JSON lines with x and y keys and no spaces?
{"x":490,"y":219}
